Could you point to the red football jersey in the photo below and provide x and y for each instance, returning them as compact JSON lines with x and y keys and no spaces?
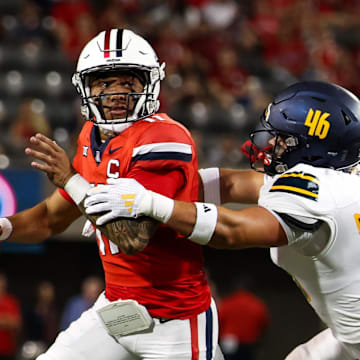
{"x":167,"y":276}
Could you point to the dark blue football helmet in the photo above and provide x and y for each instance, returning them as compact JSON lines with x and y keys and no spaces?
{"x":310,"y":122}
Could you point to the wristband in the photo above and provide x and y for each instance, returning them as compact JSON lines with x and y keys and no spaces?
{"x":206,"y":218}
{"x":161,"y":207}
{"x":77,"y":187}
{"x":6,"y":227}
{"x":211,"y":183}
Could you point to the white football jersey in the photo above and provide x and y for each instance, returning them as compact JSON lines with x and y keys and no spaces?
{"x":320,"y":212}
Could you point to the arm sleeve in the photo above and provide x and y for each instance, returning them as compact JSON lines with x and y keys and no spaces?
{"x":210,"y":178}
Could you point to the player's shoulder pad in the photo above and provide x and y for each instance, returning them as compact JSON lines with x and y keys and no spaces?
{"x":299,"y":181}
{"x":303,"y":190}
{"x":163,"y":139}
{"x":160,"y":127}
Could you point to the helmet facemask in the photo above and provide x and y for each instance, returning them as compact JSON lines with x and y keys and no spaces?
{"x":138,"y":104}
{"x":269,"y":148}
{"x":119,"y":50}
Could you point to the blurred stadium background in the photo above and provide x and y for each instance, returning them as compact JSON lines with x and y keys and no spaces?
{"x":225,"y":60}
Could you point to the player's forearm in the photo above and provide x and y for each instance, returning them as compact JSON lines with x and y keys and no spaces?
{"x":50,"y":217}
{"x":31,"y":225}
{"x":223,"y":228}
{"x":183,"y":217}
{"x":217,"y":228}
{"x":203,"y":223}
{"x":130,"y":235}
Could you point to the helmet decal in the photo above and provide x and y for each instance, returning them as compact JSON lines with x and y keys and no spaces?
{"x":267,"y":112}
{"x":317,"y":123}
{"x":116,"y":37}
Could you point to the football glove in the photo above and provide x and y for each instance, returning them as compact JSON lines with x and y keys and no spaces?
{"x":126,"y":197}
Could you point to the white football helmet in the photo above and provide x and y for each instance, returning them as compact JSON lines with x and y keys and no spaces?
{"x":117,"y":50}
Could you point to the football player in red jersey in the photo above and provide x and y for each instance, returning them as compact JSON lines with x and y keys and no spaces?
{"x":157,"y":303}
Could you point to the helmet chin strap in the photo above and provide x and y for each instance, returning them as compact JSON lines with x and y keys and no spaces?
{"x":113,"y":129}
{"x":109,"y":129}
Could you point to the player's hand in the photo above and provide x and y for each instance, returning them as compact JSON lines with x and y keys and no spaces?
{"x":119,"y":198}
{"x":53,"y":159}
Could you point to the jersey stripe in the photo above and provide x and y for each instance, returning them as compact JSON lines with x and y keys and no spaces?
{"x":302,"y":176}
{"x":163,"y":151}
{"x":292,"y":189}
{"x":163,"y":156}
{"x":296,"y":222}
{"x":305,"y":185}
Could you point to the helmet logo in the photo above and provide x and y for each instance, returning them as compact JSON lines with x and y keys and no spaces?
{"x":267,"y":112}
{"x":317,"y":123}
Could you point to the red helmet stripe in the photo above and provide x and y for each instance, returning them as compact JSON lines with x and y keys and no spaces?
{"x":107,"y":44}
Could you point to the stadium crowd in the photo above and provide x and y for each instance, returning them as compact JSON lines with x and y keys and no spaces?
{"x":224,"y":61}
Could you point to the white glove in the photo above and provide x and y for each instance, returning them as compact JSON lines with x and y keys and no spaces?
{"x":120,"y":198}
{"x":125,"y":197}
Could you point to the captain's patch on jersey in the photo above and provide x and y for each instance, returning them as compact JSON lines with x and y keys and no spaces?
{"x":298,"y":183}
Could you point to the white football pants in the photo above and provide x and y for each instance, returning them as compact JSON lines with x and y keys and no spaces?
{"x":324,"y":346}
{"x":87,"y":339}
